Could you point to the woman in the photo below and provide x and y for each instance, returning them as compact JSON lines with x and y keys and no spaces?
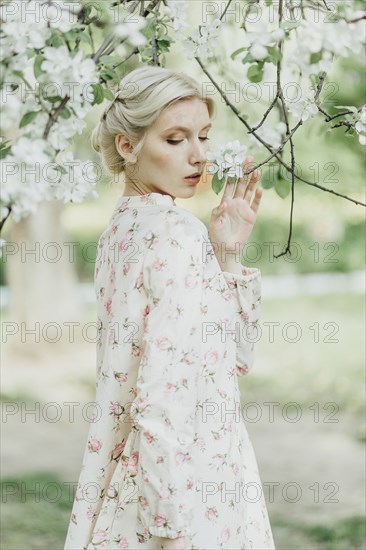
{"x":168,"y":463}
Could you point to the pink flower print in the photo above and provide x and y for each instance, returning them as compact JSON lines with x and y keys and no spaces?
{"x":170,"y":388}
{"x":114,"y":228}
{"x":159,"y":460}
{"x":90,"y":512}
{"x":227,"y":295}
{"x":117,"y":451}
{"x":211,"y":513}
{"x":200,"y":443}
{"x":136,"y":350}
{"x":123,"y":245}
{"x":126,"y":268}
{"x":229,"y":426}
{"x":120,"y":376}
{"x":149,"y":438}
{"x":190,"y":281}
{"x":94,"y":445}
{"x":146,"y":312}
{"x":164,"y":492}
{"x":143,"y":503}
{"x":158,"y":265}
{"x":225,"y":535}
{"x":160,"y":521}
{"x":180,"y":458}
{"x":163,"y":343}
{"x":235,"y":468}
{"x":108,"y":307}
{"x":132,"y":463}
{"x":244,"y":315}
{"x":123,"y":543}
{"x":242,"y":369}
{"x":231,"y":284}
{"x":116,"y":408}
{"x":211,"y":357}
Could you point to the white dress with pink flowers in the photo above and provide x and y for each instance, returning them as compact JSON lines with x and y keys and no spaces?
{"x":168,"y":454}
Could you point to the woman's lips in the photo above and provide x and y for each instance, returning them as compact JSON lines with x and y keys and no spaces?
{"x":193,"y":181}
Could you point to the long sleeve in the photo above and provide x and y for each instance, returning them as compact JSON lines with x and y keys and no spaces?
{"x":246,"y":289}
{"x":165,"y":403}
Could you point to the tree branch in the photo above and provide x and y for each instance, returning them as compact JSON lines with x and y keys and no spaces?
{"x":268,"y":147}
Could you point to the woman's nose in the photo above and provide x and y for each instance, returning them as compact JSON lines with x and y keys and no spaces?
{"x":198,"y":152}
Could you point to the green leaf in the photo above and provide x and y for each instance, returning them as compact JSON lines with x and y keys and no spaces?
{"x":65,"y":113}
{"x":217,"y":184}
{"x":289,"y":25}
{"x":255,"y":73}
{"x":269,"y":178}
{"x":315,"y":58}
{"x":37,"y":65}
{"x":28,"y":118}
{"x":237,"y":52}
{"x":53,"y":98}
{"x":55,"y":41}
{"x":108,"y":74}
{"x":282,"y":188}
{"x":349,"y":107}
{"x":110,"y":60}
{"x":98,"y":92}
{"x":85,"y":38}
{"x":164,"y":45}
{"x":4,"y":148}
{"x":274,"y":54}
{"x":268,"y":3}
{"x":248,"y":58}
{"x":108,"y":94}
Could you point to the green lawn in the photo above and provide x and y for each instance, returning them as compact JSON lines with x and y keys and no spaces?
{"x":326,"y":364}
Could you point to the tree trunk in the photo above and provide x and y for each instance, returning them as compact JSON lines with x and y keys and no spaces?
{"x":41,"y":277}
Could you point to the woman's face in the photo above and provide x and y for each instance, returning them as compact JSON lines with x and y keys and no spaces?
{"x":175,"y":147}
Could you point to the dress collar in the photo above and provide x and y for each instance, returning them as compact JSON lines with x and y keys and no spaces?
{"x":148,"y":199}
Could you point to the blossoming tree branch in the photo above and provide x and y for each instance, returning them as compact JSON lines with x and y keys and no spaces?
{"x":60,"y":58}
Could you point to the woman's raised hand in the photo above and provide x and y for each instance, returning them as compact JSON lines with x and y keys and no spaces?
{"x":233,"y":220}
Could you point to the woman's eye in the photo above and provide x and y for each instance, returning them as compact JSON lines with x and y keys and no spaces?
{"x":172,"y":141}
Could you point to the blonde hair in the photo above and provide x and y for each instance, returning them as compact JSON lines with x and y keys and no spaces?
{"x":143,"y":93}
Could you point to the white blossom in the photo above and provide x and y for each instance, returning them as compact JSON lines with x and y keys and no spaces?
{"x":272,"y":134}
{"x":262,"y":37}
{"x":30,"y":150}
{"x":305,"y":107}
{"x":327,"y":39}
{"x":177,"y":10}
{"x":203,"y":42}
{"x":71,"y":76}
{"x":130,"y":30}
{"x":79,"y":181}
{"x":361,"y":126}
{"x":63,"y":130}
{"x":227,"y":159}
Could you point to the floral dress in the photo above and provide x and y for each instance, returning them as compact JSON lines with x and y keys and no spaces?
{"x":168,"y":453}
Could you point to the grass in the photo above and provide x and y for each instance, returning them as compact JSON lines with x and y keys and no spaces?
{"x":326,"y":364}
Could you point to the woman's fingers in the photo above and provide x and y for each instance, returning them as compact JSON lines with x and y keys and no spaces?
{"x":244,"y":182}
{"x":257,"y":199}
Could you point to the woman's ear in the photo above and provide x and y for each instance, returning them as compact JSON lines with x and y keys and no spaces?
{"x":124,"y":148}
